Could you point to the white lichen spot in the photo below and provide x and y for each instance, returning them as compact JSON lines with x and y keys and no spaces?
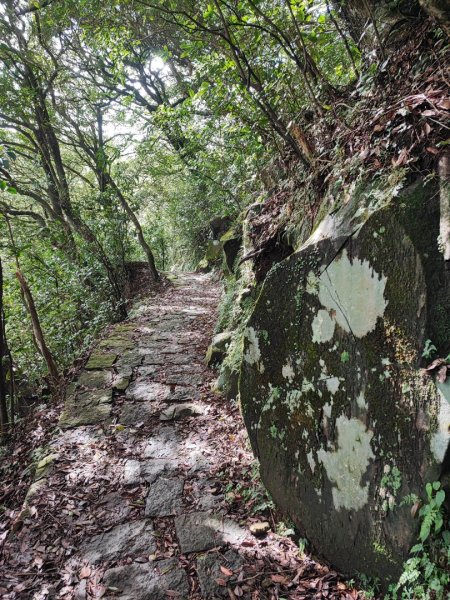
{"x":307,"y":386}
{"x":273,"y":397}
{"x":346,"y":466}
{"x":385,"y":361}
{"x":312,"y":283}
{"x":355,"y":292}
{"x":333,"y":384}
{"x":293,"y":400}
{"x":327,"y":408}
{"x":288,"y":372}
{"x":361,"y":401}
{"x":311,"y":461}
{"x":309,"y":410}
{"x":253,"y":353}
{"x":323,"y":327}
{"x":441,"y":438}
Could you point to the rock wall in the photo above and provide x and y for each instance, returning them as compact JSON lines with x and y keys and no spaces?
{"x":339,"y":411}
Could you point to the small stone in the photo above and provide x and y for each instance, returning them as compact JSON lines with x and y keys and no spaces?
{"x":95,"y":379}
{"x":141,"y":391}
{"x":132,"y":414}
{"x":202,"y":531}
{"x":90,"y":398}
{"x":44,"y":466}
{"x":101,"y":361}
{"x":116,"y":343}
{"x":150,"y":581}
{"x":129,"y":359}
{"x":181,"y":411}
{"x":164,"y":498}
{"x":136,"y":471}
{"x":121,"y":383}
{"x":260,"y":528}
{"x":132,"y":472}
{"x":89,"y":415}
{"x":163,"y":445}
{"x":218,"y":348}
{"x":147,"y":370}
{"x":34,"y":490}
{"x":123,"y":540}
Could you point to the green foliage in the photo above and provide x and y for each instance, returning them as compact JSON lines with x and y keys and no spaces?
{"x":73,"y":303}
{"x":429,"y":349}
{"x":427,"y":573}
{"x":251,"y":490}
{"x":345,"y":356}
{"x":391,"y":482}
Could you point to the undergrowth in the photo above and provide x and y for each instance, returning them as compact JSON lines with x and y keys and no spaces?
{"x":426,"y":574}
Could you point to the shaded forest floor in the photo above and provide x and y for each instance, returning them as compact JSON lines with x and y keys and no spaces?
{"x":145,"y":486}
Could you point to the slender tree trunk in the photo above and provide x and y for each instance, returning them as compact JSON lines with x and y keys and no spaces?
{"x":3,"y":353}
{"x":143,"y":242}
{"x":37,"y":329}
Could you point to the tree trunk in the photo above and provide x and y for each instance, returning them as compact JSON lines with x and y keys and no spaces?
{"x":37,"y":329}
{"x":3,"y":353}
{"x":143,"y":242}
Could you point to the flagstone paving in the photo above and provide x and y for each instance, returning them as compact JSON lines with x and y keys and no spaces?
{"x":141,"y":489}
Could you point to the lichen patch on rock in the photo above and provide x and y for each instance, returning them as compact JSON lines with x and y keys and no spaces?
{"x":346,"y":465}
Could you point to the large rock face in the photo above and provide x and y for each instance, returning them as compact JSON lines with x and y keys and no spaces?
{"x":343,"y":420}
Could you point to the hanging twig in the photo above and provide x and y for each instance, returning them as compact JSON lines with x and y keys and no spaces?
{"x":344,"y":38}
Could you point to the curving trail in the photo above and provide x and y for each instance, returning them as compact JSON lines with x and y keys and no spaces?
{"x":148,"y":489}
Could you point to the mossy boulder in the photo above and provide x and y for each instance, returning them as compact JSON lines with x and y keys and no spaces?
{"x":213,"y":251}
{"x":231,"y":244}
{"x":343,"y":420}
{"x":218,"y":348}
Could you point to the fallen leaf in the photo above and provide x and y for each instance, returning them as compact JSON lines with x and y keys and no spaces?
{"x":85,"y":572}
{"x":442,"y":374}
{"x":280,"y":579}
{"x":401,"y":159}
{"x":225,"y":571}
{"x":437,"y":362}
{"x":364,"y":154}
{"x":414,"y":508}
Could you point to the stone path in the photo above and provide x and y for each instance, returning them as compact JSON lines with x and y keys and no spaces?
{"x":130,"y":500}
